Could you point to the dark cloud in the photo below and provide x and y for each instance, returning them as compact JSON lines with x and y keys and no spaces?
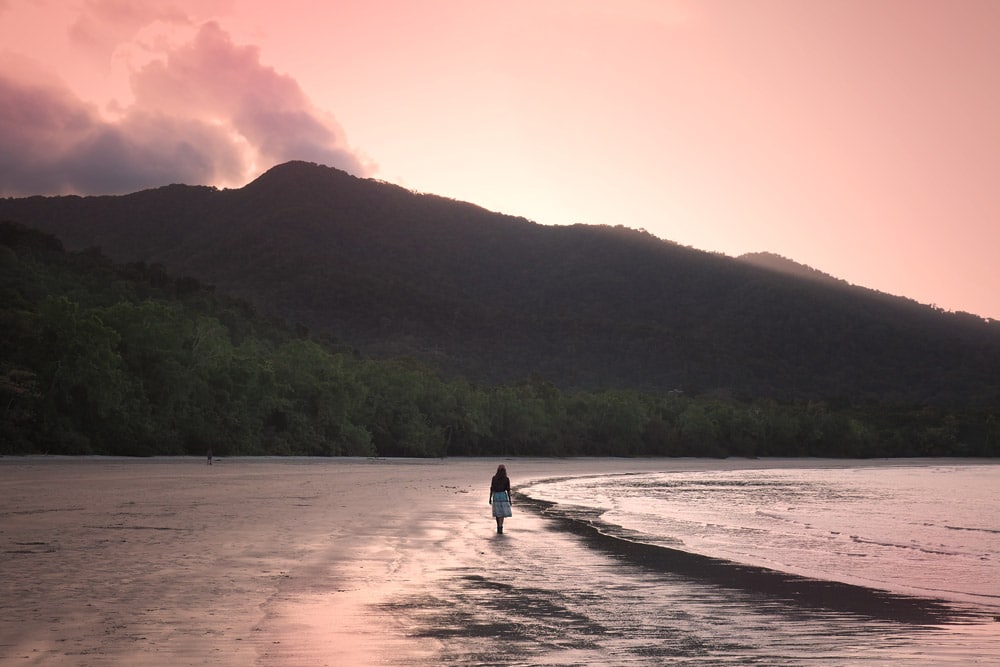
{"x":53,"y":143}
{"x":151,"y":150}
{"x":209,"y":112}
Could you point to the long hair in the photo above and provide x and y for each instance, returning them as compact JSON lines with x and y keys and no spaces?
{"x":502,"y":470}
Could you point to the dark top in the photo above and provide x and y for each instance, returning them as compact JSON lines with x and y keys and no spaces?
{"x":500,"y":483}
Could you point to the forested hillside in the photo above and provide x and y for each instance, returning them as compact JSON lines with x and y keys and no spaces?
{"x":497,"y":299}
{"x":99,"y":358}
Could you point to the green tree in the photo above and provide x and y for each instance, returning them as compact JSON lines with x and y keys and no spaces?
{"x":87,"y":396}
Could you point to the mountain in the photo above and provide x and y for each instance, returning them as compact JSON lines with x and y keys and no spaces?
{"x":499,"y":298}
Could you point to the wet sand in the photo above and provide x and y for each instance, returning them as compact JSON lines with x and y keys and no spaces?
{"x":290,"y":562}
{"x":246,"y":561}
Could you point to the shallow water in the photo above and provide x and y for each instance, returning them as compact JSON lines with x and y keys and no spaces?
{"x":566,"y":585}
{"x":926,"y":530}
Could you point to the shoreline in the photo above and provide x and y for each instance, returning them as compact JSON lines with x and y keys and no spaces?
{"x":799,"y":592}
{"x":273,"y":561}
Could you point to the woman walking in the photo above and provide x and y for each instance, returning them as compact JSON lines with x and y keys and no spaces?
{"x":500,"y":496}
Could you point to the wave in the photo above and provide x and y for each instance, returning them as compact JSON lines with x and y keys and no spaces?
{"x":908,"y":547}
{"x":795,"y":591}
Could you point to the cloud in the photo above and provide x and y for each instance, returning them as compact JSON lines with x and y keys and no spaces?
{"x":147,"y":150}
{"x":104,"y":24}
{"x":208,"y":112}
{"x":53,"y":143}
{"x":217,"y":79}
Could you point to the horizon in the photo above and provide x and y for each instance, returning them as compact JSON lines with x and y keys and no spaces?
{"x":857,"y":140}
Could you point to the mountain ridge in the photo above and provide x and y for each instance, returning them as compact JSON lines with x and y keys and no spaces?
{"x":776,"y":262}
{"x":499,"y":298}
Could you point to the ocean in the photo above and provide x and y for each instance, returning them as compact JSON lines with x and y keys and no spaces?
{"x":854,"y":563}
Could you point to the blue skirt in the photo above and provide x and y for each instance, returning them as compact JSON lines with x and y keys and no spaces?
{"x":501,"y":505}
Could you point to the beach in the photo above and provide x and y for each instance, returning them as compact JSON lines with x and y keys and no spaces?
{"x":170,"y":561}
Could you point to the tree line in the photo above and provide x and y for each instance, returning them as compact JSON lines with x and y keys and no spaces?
{"x":112,"y":359}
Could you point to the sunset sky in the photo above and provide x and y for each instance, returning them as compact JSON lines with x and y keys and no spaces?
{"x":860,"y":137}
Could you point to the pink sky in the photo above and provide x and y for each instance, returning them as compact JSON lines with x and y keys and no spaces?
{"x":859,"y":137}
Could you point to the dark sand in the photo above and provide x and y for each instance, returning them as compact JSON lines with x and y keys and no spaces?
{"x":282,"y":562}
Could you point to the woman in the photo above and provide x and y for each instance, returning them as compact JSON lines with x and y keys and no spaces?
{"x":500,"y":496}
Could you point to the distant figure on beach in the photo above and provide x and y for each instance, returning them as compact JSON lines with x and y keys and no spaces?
{"x":500,"y":496}
{"x":209,"y":456}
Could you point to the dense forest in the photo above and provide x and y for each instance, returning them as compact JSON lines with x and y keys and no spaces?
{"x":124,"y":359}
{"x":496,"y":299}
